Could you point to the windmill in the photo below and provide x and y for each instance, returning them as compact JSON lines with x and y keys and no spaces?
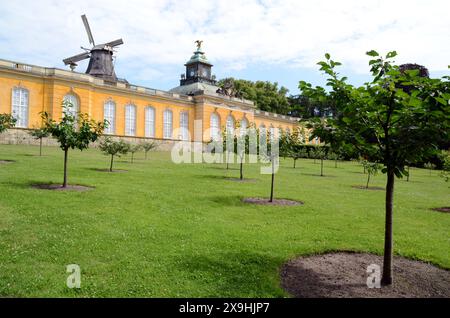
{"x":100,"y":56}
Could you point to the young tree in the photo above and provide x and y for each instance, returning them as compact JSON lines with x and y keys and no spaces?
{"x":149,"y":146}
{"x":384,"y":123}
{"x":319,"y":152}
{"x":39,"y":133}
{"x":445,"y":157}
{"x":333,"y":156}
{"x":7,"y":121}
{"x":297,"y":153}
{"x":113,"y":148}
{"x":372,"y":169}
{"x":133,"y":149}
{"x":430,"y":166}
{"x":72,"y":131}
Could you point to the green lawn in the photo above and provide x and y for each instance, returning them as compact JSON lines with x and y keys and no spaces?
{"x":166,"y":230}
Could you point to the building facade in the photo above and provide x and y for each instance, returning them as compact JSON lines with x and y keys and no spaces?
{"x":196,"y":107}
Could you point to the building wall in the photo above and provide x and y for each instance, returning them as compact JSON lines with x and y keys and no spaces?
{"x":46,"y":93}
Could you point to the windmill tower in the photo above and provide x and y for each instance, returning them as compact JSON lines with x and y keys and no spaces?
{"x":100,"y":56}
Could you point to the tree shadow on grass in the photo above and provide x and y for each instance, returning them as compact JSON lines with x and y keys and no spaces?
{"x":228,"y":200}
{"x":243,"y":274}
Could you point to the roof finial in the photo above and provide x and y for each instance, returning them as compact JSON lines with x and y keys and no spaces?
{"x":199,"y":44}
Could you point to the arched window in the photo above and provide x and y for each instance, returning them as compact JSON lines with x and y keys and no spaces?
{"x":272,"y":132}
{"x":184,"y":125}
{"x":214,"y":126}
{"x":130,"y":120}
{"x":109,"y":114}
{"x":167,"y":124}
{"x":149,"y":122}
{"x":230,"y":124}
{"x":244,"y":126}
{"x":262,"y":133}
{"x":72,"y":103}
{"x":20,"y":104}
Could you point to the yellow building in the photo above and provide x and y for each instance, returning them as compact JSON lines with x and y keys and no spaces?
{"x":133,"y":112}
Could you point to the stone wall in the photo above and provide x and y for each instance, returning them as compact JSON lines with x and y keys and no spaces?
{"x":19,"y":136}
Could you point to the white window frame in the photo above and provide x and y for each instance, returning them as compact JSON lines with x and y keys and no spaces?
{"x":167,"y":124}
{"x":230,"y":127}
{"x":130,"y":120}
{"x":214,"y":126}
{"x":244,"y":127}
{"x":20,"y":103}
{"x":109,"y":114}
{"x":184,"y":126}
{"x":150,"y":116}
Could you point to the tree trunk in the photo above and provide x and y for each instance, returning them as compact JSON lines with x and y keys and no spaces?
{"x":66,"y":151}
{"x":132,"y":157}
{"x":335,"y":163}
{"x":321,"y":167}
{"x":111,"y":165}
{"x":240,"y":168}
{"x":273,"y":179}
{"x":368,"y":180}
{"x":407,"y":177}
{"x":40,"y":147}
{"x":388,"y":240}
{"x":295,"y":160}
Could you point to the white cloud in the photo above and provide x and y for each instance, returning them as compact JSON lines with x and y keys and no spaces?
{"x":159,"y":34}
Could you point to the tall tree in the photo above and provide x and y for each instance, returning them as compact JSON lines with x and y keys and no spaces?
{"x":385,"y":123}
{"x":73,"y":131}
{"x":267,"y":96}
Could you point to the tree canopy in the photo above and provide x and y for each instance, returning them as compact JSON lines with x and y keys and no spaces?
{"x":266,"y":95}
{"x":399,"y":118}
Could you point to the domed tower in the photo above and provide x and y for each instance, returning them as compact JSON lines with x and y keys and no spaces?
{"x":198,"y":68}
{"x":198,"y":79}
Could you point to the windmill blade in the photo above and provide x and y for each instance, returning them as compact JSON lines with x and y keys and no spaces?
{"x":88,"y":29}
{"x":76,"y":58}
{"x":114,"y":43}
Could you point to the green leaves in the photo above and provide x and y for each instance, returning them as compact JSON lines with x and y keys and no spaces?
{"x":391,"y":54}
{"x":74,"y":130}
{"x":6,"y":121}
{"x":396,"y":119}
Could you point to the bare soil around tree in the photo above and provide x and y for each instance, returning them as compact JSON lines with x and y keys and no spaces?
{"x":444,"y":209}
{"x":344,"y":275}
{"x":5,"y":162}
{"x":369,"y":188}
{"x":59,"y":187}
{"x":265,"y":201}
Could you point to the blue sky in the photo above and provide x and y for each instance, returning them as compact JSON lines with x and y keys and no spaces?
{"x":251,"y":39}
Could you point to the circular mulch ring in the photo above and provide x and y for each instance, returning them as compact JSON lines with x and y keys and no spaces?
{"x":240,"y":180}
{"x":369,"y":188}
{"x":58,"y":187}
{"x":445,"y":209}
{"x":4,"y":162}
{"x":265,"y":201}
{"x":114,"y":170}
{"x":344,"y":275}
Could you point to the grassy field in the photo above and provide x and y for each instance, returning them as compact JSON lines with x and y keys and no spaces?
{"x":166,"y":230}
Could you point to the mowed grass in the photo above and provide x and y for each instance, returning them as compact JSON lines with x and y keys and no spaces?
{"x":167,"y":230}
